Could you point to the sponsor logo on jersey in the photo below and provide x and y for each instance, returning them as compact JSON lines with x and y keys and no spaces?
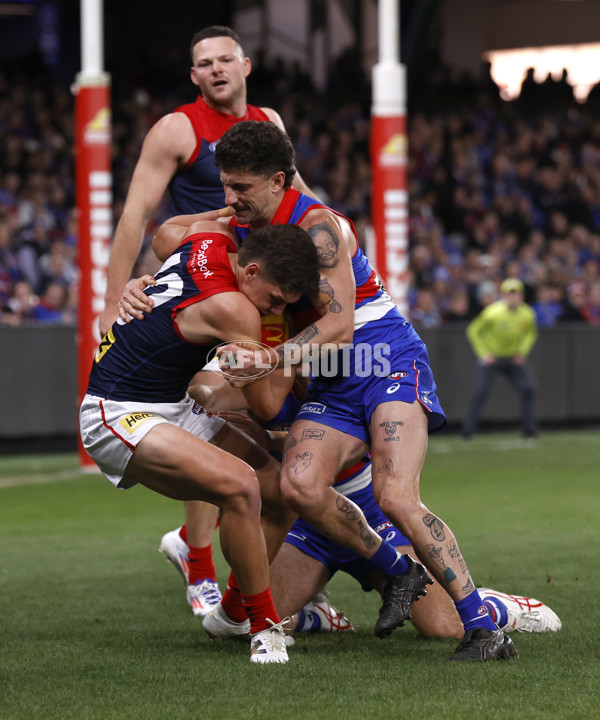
{"x":133,"y":421}
{"x":393,"y":388}
{"x":274,"y":330}
{"x":315,"y":408}
{"x":425,"y":399}
{"x":397,"y":375}
{"x":213,"y":146}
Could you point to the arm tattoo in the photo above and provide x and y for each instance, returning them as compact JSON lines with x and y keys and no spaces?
{"x":328,"y":301}
{"x":327,"y":244}
{"x":290,"y":351}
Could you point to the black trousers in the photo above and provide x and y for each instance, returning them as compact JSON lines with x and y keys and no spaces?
{"x":520,"y":377}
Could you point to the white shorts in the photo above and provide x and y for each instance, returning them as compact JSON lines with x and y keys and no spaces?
{"x":110,"y":430}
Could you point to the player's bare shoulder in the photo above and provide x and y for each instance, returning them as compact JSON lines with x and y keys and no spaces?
{"x":227,"y":316}
{"x":332,"y":235}
{"x":214,"y":227}
{"x":172,"y":135}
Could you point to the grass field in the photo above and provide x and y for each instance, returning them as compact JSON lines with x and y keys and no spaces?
{"x":94,"y":622}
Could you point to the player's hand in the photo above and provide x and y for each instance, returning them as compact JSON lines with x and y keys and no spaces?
{"x":134,"y":302}
{"x":247,"y":425}
{"x":239,"y":363}
{"x":225,"y":211}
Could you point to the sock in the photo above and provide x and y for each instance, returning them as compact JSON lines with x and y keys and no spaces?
{"x":200,"y":564}
{"x":232,"y":602}
{"x":307,"y":622}
{"x":388,"y":559}
{"x":473,"y":612}
{"x":183,"y":533}
{"x":497,"y":610}
{"x":259,"y":607}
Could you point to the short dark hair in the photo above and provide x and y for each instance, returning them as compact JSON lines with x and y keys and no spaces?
{"x":258,"y":148}
{"x":287,"y":255}
{"x":212,"y":32}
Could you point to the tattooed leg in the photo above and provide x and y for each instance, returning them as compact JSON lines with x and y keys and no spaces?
{"x":312,"y":458}
{"x":399,"y":434}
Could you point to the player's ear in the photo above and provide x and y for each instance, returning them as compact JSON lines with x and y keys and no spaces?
{"x":246,"y":66}
{"x":252,"y":271}
{"x":277,"y":181}
{"x":193,"y":76}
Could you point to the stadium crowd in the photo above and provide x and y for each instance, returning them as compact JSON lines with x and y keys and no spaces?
{"x":496,"y":189}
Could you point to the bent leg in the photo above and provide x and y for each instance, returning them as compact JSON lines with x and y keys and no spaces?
{"x":295,"y":579}
{"x":175,"y":463}
{"x":434,"y":615}
{"x":313,"y":456}
{"x":277,"y":516}
{"x":399,"y":445}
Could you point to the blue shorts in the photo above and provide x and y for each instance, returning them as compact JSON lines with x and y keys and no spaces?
{"x":336,"y":557}
{"x":400,"y":372}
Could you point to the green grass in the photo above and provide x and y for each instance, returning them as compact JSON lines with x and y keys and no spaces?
{"x":94,"y":622}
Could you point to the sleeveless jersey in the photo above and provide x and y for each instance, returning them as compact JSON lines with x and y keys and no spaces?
{"x":148,"y":360}
{"x":372,"y":301}
{"x":197,"y":187}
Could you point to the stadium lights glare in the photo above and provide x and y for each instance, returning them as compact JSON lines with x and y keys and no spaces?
{"x":581,"y":62}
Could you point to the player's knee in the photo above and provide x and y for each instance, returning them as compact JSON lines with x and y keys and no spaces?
{"x":401,"y":509}
{"x":298,"y":493}
{"x":242,"y":492}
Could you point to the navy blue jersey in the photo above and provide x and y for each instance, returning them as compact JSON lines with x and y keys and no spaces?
{"x":148,"y":360}
{"x":197,"y":187}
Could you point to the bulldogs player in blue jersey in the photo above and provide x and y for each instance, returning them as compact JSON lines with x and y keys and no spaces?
{"x":308,"y":559}
{"x":139,"y":425}
{"x":391,"y":412}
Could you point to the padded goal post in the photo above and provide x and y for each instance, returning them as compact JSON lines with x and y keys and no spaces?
{"x":93,"y":189}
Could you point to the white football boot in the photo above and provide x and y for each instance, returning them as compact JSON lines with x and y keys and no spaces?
{"x":218,"y":626}
{"x":269,"y":646}
{"x":204,"y":596}
{"x":525,"y":614}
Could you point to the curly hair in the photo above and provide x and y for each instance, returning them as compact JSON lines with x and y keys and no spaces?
{"x":258,"y":148}
{"x":212,"y":32}
{"x":288,"y":257}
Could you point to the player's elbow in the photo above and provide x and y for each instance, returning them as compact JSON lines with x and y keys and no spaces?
{"x":264,"y":405}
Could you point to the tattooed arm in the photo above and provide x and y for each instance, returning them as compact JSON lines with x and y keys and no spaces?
{"x":335,"y":245}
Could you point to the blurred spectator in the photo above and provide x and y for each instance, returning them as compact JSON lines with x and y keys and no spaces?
{"x":548,"y":306}
{"x":591,"y":309}
{"x":425,"y":312}
{"x":20,"y":308}
{"x":52,"y":304}
{"x":574,"y":303}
